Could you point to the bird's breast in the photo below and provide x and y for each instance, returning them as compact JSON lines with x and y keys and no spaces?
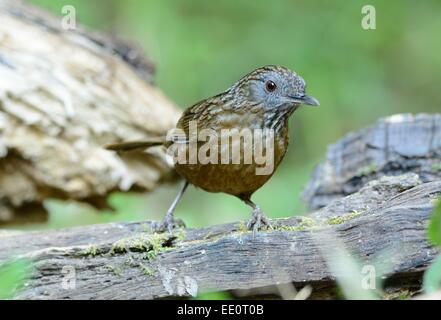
{"x":236,"y":154}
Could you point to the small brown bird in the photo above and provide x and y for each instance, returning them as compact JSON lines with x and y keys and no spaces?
{"x":262,"y":102}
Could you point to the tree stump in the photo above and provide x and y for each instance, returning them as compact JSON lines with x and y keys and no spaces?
{"x":393,"y":146}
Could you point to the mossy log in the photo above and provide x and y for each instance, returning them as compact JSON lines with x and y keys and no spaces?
{"x":126,"y":261}
{"x":63,"y":95}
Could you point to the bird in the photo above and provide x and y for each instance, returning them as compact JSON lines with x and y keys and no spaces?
{"x":261,"y":101}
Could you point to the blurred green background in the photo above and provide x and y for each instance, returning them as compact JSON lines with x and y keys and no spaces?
{"x":201,"y":47}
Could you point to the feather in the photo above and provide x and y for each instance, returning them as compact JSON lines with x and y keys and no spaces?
{"x":132,"y":145}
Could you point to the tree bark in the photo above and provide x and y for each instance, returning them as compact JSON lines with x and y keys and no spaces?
{"x":63,"y":95}
{"x":392,"y":146}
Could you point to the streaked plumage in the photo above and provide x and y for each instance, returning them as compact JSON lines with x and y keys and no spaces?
{"x":263,"y":99}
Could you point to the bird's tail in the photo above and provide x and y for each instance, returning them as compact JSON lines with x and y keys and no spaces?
{"x":132,"y":145}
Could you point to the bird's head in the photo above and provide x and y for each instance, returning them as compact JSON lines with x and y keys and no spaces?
{"x":275,"y":88}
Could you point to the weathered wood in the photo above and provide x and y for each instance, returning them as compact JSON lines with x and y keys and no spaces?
{"x":124,"y":261}
{"x":393,"y":146}
{"x":63,"y":95}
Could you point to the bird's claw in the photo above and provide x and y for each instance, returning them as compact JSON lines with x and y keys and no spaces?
{"x":167,"y":224}
{"x":258,"y":220}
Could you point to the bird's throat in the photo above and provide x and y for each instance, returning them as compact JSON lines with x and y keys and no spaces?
{"x":274,"y":119}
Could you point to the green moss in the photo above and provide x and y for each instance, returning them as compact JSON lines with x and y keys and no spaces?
{"x":289,"y":228}
{"x":180,"y":235}
{"x":140,"y":247}
{"x":150,"y":243}
{"x":343,"y":218}
{"x":130,"y":261}
{"x":367,"y":170}
{"x":146,"y":270}
{"x":305,"y":224}
{"x":242,"y":227}
{"x":405,"y":295}
{"x":133,"y":262}
{"x":150,"y":255}
{"x":115,"y":270}
{"x":89,"y":251}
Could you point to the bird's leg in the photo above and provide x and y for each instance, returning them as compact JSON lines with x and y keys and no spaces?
{"x":169,"y":222}
{"x":258,"y":218}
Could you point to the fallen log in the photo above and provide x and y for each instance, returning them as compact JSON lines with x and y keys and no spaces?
{"x":125,"y":261}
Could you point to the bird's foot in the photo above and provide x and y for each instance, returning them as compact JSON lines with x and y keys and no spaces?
{"x":167,"y":224}
{"x":258,"y":220}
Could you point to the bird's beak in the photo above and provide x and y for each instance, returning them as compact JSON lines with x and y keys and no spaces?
{"x":311,"y":101}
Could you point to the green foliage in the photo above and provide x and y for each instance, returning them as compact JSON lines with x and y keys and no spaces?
{"x":13,"y":275}
{"x":432,"y":277}
{"x":347,"y":268}
{"x":356,"y":279}
{"x":214,"y":296}
{"x":434,"y":229}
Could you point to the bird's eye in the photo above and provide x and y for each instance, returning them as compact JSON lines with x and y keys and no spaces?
{"x":270,"y":86}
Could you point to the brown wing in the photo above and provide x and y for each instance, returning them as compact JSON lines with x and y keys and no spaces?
{"x":202,"y":112}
